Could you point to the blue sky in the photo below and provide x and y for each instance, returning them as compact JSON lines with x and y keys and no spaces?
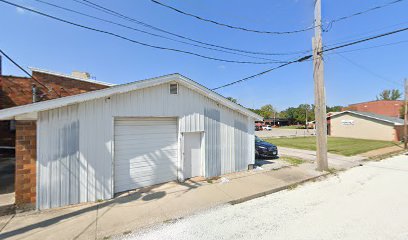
{"x":33,"y":40}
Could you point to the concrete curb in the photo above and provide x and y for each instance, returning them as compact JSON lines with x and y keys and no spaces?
{"x":265,"y":193}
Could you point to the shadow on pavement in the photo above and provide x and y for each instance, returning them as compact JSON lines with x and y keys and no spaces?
{"x":120,"y":199}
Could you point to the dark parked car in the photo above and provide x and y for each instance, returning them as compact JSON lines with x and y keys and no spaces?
{"x":264,"y":149}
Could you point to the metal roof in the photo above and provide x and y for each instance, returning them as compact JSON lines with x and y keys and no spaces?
{"x":30,"y":110}
{"x":393,"y":120}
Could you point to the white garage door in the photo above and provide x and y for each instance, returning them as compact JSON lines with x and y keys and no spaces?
{"x":145,"y":152}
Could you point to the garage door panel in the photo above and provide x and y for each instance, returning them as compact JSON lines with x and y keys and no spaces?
{"x":146,"y":138}
{"x":139,"y":162}
{"x":142,"y":175}
{"x":146,"y":152}
{"x":158,"y":131}
{"x":145,"y":122}
{"x":128,"y":154}
{"x":148,"y":145}
{"x":138,"y":184}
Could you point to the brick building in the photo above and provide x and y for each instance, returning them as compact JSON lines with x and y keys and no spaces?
{"x":390,"y":108}
{"x":21,"y":135}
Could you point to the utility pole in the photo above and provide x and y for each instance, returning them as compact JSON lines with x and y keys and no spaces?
{"x":319,"y":92}
{"x":406,"y":114}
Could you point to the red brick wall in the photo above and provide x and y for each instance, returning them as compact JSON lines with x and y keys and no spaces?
{"x":16,"y":91}
{"x":25,"y":179}
{"x":384,"y":107}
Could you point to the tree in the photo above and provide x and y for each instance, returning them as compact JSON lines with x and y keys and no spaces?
{"x":389,"y":94}
{"x":402,"y":112}
{"x":267,"y":111}
{"x":334,"y":109}
{"x":257,"y":111}
{"x":232,"y":99}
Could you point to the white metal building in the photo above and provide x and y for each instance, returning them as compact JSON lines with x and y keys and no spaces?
{"x":93,"y":145}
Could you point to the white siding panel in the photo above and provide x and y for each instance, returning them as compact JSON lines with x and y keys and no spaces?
{"x":76,"y":142}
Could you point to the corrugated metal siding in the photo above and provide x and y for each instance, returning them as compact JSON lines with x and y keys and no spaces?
{"x":76,"y":142}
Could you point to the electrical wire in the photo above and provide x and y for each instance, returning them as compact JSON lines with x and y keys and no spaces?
{"x":130,"y":19}
{"x":367,"y":69}
{"x":302,"y":59}
{"x":307,"y":57}
{"x":364,"y":40}
{"x":149,"y":33}
{"x":365,"y":34}
{"x":26,"y":72}
{"x":231,"y":26}
{"x":135,"y":41}
{"x":326,"y":29}
{"x":367,"y":48}
{"x":330,"y":24}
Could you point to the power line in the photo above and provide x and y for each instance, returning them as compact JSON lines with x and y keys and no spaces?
{"x":127,"y":18}
{"x":26,"y":72}
{"x":367,"y":48}
{"x":273,"y":32}
{"x":361,"y":13}
{"x":366,"y":69}
{"x":365,"y":40}
{"x":135,"y":41}
{"x":365,"y":34}
{"x":231,"y":26}
{"x":149,"y":33}
{"x":302,"y":59}
{"x":305,"y":58}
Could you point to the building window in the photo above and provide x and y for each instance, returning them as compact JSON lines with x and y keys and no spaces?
{"x":173,"y":88}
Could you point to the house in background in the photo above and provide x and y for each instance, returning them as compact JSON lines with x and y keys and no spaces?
{"x":18,"y":91}
{"x":390,"y":108}
{"x":365,"y":125}
{"x":94,"y":145}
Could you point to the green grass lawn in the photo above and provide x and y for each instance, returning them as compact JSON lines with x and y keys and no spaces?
{"x":342,"y":146}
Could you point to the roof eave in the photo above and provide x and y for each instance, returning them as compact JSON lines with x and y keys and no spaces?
{"x":15,"y":112}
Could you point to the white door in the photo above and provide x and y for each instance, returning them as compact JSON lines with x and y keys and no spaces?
{"x":145,"y":152}
{"x":192,"y":155}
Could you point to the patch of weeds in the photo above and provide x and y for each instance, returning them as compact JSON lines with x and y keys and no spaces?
{"x":384,"y":156}
{"x":172,"y":220}
{"x":211,"y":180}
{"x":106,"y":238}
{"x":99,"y":200}
{"x":127,"y":232}
{"x":332,"y":171}
{"x":293,"y":160}
{"x":293,"y":186}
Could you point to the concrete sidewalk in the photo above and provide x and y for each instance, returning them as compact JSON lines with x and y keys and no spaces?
{"x":146,"y":207}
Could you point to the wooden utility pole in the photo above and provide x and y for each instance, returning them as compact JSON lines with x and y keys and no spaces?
{"x":406,"y":114}
{"x":319,"y":92}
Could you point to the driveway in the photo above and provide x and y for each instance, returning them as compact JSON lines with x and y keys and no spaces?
{"x":368,"y":202}
{"x":334,"y":160}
